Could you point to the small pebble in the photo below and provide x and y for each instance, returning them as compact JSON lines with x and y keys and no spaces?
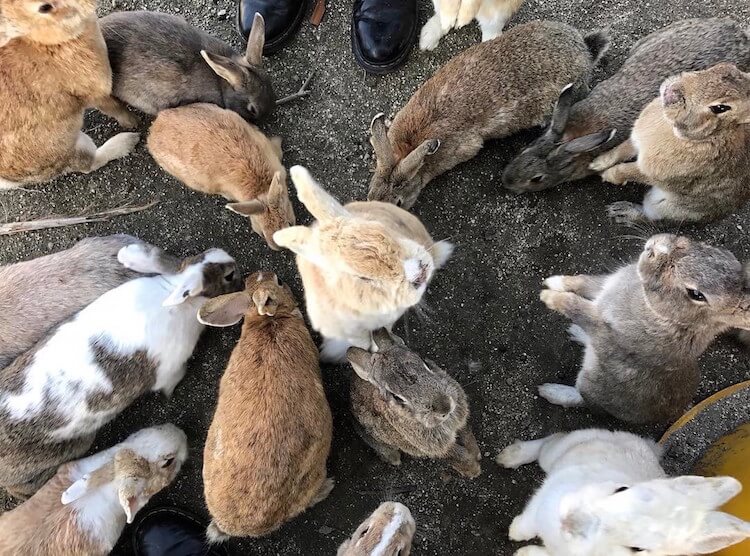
{"x":221,"y":13}
{"x":325,"y":530}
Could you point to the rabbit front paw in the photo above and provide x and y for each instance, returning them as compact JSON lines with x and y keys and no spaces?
{"x":614,"y":176}
{"x":602,"y":163}
{"x":554,"y":300}
{"x":555,"y":283}
{"x":625,"y":212}
{"x":128,"y":120}
{"x":513,"y":457}
{"x":518,"y":530}
{"x":431,"y":34}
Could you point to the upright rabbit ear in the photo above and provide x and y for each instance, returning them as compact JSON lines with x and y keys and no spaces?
{"x":318,"y":202}
{"x":380,"y":143}
{"x":76,"y":490}
{"x":247,"y":208}
{"x":718,"y":531}
{"x":562,"y":111}
{"x":225,"y":68}
{"x":224,"y":310}
{"x":190,"y":284}
{"x":414,"y":161}
{"x":256,"y":41}
{"x":707,"y":493}
{"x":382,"y":339}
{"x":299,"y":239}
{"x":361,"y":361}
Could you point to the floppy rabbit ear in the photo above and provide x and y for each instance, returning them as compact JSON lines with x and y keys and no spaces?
{"x":76,"y":490}
{"x":360,"y":360}
{"x":277,"y":189}
{"x":190,"y":285}
{"x":264,"y":302}
{"x":719,"y":530}
{"x":225,"y":68}
{"x":589,"y":142}
{"x":562,"y":110}
{"x":225,"y":310}
{"x":247,"y":208}
{"x":414,"y":161}
{"x":380,"y":143}
{"x":707,"y":493}
{"x":382,"y":339}
{"x":256,"y":41}
{"x":317,"y":201}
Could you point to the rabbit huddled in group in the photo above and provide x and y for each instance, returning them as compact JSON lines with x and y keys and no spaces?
{"x":473,"y":98}
{"x":579,"y":131}
{"x":265,"y":456}
{"x":644,"y":327}
{"x":362,"y":265}
{"x":215,"y":151}
{"x":404,"y":404}
{"x":160,"y":61}
{"x":85,"y":506}
{"x":77,"y":276}
{"x":387,"y":532}
{"x":492,"y":15}
{"x":605,"y":493}
{"x":54,"y":68}
{"x":133,"y":339}
{"x":692,"y":145}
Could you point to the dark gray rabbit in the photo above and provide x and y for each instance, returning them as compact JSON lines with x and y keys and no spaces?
{"x":645,"y":326}
{"x":160,"y":61}
{"x":580,"y":131}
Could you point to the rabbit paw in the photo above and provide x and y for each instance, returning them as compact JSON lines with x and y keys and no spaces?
{"x":119,"y":146}
{"x":431,"y":34}
{"x":514,"y":456}
{"x":517,"y":532}
{"x":578,"y":334}
{"x":625,"y":212}
{"x":601,"y":163}
{"x":466,"y":13}
{"x":128,"y":120}
{"x":553,"y":299}
{"x":613,"y":175}
{"x":560,"y":394}
{"x":555,"y":283}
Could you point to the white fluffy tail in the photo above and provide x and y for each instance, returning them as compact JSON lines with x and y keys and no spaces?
{"x":214,"y":535}
{"x":559,"y":394}
{"x":441,"y":252}
{"x":333,"y":350}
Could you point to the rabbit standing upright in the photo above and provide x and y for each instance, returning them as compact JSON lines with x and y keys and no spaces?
{"x":54,"y":68}
{"x":474,"y":98}
{"x":404,"y":404}
{"x":492,"y":16}
{"x":645,"y":326}
{"x":265,"y":457}
{"x":134,"y":339}
{"x":160,"y":61}
{"x":213,"y":150}
{"x":85,"y":506}
{"x":605,"y":493}
{"x":692,"y":145}
{"x":362,"y":265}
{"x":388,"y":531}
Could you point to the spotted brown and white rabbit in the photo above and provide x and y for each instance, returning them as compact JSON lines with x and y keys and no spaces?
{"x":388,"y":531}
{"x":54,"y":68}
{"x":606,"y":494}
{"x":644,"y":327}
{"x":76,"y":277}
{"x":85,"y":506}
{"x":133,"y":339}
{"x":404,"y":404}
{"x":362,"y":265}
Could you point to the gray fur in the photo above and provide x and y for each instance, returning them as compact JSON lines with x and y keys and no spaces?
{"x":396,"y":407}
{"x":643,"y":333}
{"x":157,"y":64}
{"x":614,"y":104}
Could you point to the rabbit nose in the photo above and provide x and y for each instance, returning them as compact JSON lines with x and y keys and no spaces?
{"x":442,"y":406}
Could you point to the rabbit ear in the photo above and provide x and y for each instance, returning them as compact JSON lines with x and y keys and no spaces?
{"x":380,"y":143}
{"x":414,"y":161}
{"x":130,"y":469}
{"x":76,"y":490}
{"x":589,"y":142}
{"x":578,"y":524}
{"x":256,"y":41}
{"x":718,"y":530}
{"x":298,"y":239}
{"x":562,"y":110}
{"x":277,"y":189}
{"x":360,"y":360}
{"x":247,"y":208}
{"x":190,"y":284}
{"x":225,"y":68}
{"x":707,"y":493}
{"x":317,"y":201}
{"x":382,"y":339}
{"x":225,"y":310}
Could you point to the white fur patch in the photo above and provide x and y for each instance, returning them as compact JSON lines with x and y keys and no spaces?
{"x":412,"y":269}
{"x":397,"y":520}
{"x":560,"y":394}
{"x":555,"y":283}
{"x":218,"y":256}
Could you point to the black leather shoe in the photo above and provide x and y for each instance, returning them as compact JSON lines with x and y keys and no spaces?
{"x":383,"y":33}
{"x":172,"y":532}
{"x":282,"y":18}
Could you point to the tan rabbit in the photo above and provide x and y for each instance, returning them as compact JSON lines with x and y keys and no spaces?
{"x":692,"y":145}
{"x":265,"y":456}
{"x":388,"y":531}
{"x":214,"y":150}
{"x":54,"y":68}
{"x":363,"y":265}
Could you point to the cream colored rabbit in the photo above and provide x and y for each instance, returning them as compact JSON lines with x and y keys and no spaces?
{"x":363,"y":265}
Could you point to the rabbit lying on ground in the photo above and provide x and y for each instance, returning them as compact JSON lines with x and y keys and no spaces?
{"x":580,"y":131}
{"x":133,"y":339}
{"x":692,"y":145}
{"x":492,"y":15}
{"x":403,"y":404}
{"x":50,"y":73}
{"x":362,"y":265}
{"x":160,"y":61}
{"x":215,"y":151}
{"x":474,"y":98}
{"x":605,"y":493}
{"x":645,"y":326}
{"x":84,"y":507}
{"x":387,"y":532}
{"x":265,"y":456}
{"x":77,"y":276}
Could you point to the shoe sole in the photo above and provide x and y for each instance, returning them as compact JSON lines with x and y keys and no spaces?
{"x":389,"y":67}
{"x":275,"y":45}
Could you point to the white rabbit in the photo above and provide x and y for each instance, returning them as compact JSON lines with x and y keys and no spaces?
{"x":606,"y":495}
{"x":133,"y":339}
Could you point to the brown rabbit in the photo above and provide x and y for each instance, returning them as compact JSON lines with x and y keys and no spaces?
{"x":214,"y":150}
{"x":692,"y":145}
{"x":388,"y":531}
{"x":265,"y":456}
{"x":50,"y":72}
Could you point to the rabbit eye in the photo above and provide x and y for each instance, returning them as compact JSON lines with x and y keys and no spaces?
{"x":695,"y":295}
{"x":46,"y":8}
{"x":621,"y":489}
{"x":253,"y":111}
{"x":720,"y":108}
{"x":398,"y":399}
{"x":634,"y":549}
{"x":537,"y":179}
{"x":167,"y":462}
{"x":229,"y":277}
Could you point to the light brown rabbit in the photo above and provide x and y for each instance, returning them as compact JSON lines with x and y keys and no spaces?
{"x":265,"y":456}
{"x":387,"y":532}
{"x":214,"y":150}
{"x":54,"y":68}
{"x":692,"y":145}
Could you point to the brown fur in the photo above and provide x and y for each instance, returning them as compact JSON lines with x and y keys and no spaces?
{"x":265,"y":455}
{"x":215,"y":151}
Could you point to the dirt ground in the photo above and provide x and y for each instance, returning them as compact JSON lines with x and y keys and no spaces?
{"x":485,"y":324}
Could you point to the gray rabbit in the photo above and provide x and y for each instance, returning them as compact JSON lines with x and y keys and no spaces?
{"x":645,"y":326}
{"x":579,"y":131}
{"x":404,"y":404}
{"x":160,"y":61}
